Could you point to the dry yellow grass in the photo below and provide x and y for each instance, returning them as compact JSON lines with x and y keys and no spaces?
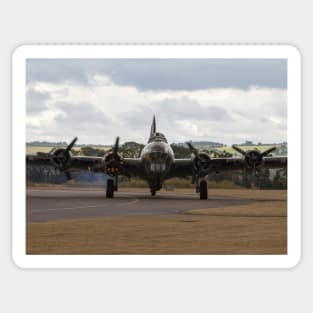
{"x":258,"y":228}
{"x":253,"y":194}
{"x":268,"y":209}
{"x":35,"y":149}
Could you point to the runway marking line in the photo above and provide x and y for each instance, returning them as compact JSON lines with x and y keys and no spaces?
{"x":81,"y":207}
{"x":62,"y":190}
{"x":130,"y":202}
{"x":56,"y":209}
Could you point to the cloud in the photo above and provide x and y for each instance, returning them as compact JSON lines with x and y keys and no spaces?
{"x":78,"y":115}
{"x":36,"y":101}
{"x":98,"y":112}
{"x":179,"y":108}
{"x":163,"y":74}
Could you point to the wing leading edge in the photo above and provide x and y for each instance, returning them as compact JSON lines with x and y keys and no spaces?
{"x":185,"y":167}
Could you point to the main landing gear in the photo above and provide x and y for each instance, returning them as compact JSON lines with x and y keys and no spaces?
{"x":203,"y":189}
{"x":110,"y":188}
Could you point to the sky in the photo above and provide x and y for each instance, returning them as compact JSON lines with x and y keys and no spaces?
{"x":222,"y":100}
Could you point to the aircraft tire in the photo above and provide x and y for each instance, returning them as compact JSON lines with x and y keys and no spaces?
{"x":110,"y":188}
{"x":203,"y":190}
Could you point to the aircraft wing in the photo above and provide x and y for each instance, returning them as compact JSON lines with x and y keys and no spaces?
{"x":181,"y":168}
{"x":75,"y":163}
{"x":130,"y":167}
{"x":275,"y":162}
{"x":32,"y":159}
{"x":133,"y":167}
{"x":185,"y":167}
{"x":233,"y":163}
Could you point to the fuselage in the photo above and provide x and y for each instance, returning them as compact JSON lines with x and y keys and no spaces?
{"x":157,"y":159}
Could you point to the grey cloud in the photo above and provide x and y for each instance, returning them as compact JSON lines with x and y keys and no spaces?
{"x":216,"y":121}
{"x":141,"y":116}
{"x":169,"y":111}
{"x":81,"y":116}
{"x":35,"y":101}
{"x":81,"y":119}
{"x":202,"y":73}
{"x":280,"y":109}
{"x":179,"y":109}
{"x":164,"y":74}
{"x":56,"y":70}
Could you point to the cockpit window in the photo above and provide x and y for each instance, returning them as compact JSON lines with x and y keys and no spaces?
{"x":157,"y":137}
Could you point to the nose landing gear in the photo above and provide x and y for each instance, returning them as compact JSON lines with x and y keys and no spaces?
{"x":155,"y":186}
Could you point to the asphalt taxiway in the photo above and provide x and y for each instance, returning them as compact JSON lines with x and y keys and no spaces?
{"x":43,"y":205}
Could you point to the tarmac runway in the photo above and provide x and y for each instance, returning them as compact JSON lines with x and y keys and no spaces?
{"x":43,"y":205}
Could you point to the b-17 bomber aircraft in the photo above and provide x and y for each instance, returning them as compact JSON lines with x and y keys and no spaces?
{"x":157,"y":163}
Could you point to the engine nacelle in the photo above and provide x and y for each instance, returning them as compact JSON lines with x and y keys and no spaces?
{"x":61,"y":158}
{"x":254,"y":158}
{"x":113,"y":163}
{"x":201,"y":163}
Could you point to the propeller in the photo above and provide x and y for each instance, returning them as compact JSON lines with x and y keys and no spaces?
{"x":192,"y":148}
{"x":72,"y":143}
{"x":116,"y":146}
{"x":61,"y":158}
{"x":201,"y":163}
{"x":51,"y":151}
{"x":201,"y":159}
{"x":242,"y":152}
{"x":254,"y":160}
{"x":253,"y":157}
{"x":113,"y":162}
{"x":268,"y":151}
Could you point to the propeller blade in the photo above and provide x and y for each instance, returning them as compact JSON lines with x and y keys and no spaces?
{"x":70,"y":146}
{"x":239,"y":150}
{"x":52,"y":150}
{"x":266,"y":152}
{"x":116,"y":145}
{"x":116,"y":183}
{"x":192,"y":148}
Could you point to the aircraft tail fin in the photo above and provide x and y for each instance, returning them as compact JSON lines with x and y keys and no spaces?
{"x":153,"y":127}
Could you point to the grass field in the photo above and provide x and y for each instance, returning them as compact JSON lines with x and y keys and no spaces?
{"x":35,"y":149}
{"x":257,"y":228}
{"x":229,"y":149}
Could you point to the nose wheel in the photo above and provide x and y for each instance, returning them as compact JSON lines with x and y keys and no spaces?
{"x":153,"y":192}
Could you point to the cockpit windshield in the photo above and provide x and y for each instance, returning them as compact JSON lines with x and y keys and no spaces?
{"x":157,"y":137}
